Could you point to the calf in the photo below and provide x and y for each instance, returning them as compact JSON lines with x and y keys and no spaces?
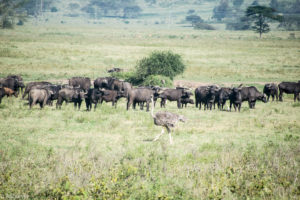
{"x":185,"y":101}
{"x":270,"y":89}
{"x":9,"y":92}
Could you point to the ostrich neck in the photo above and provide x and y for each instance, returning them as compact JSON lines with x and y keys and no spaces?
{"x":152,"y":107}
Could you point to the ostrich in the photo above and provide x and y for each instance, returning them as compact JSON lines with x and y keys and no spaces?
{"x":165,"y":119}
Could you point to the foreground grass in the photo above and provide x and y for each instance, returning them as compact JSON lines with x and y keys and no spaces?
{"x":108,"y":154}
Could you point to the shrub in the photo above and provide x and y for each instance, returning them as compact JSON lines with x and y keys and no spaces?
{"x":158,"y":80}
{"x":203,"y":26}
{"x":164,"y":63}
{"x":53,"y":9}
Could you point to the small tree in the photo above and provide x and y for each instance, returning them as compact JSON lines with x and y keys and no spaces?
{"x":132,"y":12}
{"x":9,"y":11}
{"x":221,"y":10}
{"x":237,"y":3}
{"x":164,"y":63}
{"x":193,"y":19}
{"x":260,"y":15}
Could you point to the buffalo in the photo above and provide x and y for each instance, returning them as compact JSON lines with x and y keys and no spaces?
{"x":54,"y":91}
{"x":75,"y":95}
{"x":140,"y":95}
{"x":11,"y":83}
{"x":235,"y":98}
{"x":206,"y":95}
{"x":289,"y":88}
{"x":223,"y":95}
{"x":92,"y":97}
{"x":174,"y":95}
{"x":251,"y":94}
{"x":30,"y":85}
{"x":19,"y":79}
{"x":81,"y":82}
{"x":271,"y":89}
{"x":185,"y":101}
{"x":40,"y":96}
{"x":103,"y":82}
{"x":111,"y":96}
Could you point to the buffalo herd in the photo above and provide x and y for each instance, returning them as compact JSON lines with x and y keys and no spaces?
{"x":111,"y":89}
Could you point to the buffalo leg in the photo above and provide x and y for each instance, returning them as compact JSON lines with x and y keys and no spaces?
{"x":178,"y":104}
{"x":295,"y":96}
{"x":280,"y":95}
{"x":148,"y":106}
{"x":79,"y":104}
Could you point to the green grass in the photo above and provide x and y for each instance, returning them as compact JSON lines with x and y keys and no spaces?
{"x":49,"y":153}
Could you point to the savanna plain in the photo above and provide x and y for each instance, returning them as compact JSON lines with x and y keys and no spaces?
{"x":108,"y":153}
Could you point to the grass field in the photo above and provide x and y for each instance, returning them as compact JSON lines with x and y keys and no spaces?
{"x":108,"y":154}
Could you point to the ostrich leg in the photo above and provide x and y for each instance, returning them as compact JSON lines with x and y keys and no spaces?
{"x":170,"y":135}
{"x":158,"y":136}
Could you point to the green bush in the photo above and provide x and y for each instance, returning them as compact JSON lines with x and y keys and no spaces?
{"x":164,"y":63}
{"x":157,"y":80}
{"x":130,"y":77}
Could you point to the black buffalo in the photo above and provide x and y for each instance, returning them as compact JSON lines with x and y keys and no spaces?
{"x":223,"y":95}
{"x":206,"y":95}
{"x":271,"y":89}
{"x":235,"y":98}
{"x":11,"y":83}
{"x":111,"y":96}
{"x":81,"y":82}
{"x":92,"y":97}
{"x":289,"y":88}
{"x":30,"y":85}
{"x":75,"y":95}
{"x":19,"y":79}
{"x":185,"y":101}
{"x":174,"y":95}
{"x":251,"y":94}
{"x":103,"y":82}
